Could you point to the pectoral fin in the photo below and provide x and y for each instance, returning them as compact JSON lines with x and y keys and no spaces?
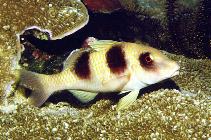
{"x":116,"y":83}
{"x":83,"y":96}
{"x":73,"y":56}
{"x":127,"y":100}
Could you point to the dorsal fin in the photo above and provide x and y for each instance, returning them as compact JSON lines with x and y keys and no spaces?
{"x":98,"y":45}
{"x":74,"y":55}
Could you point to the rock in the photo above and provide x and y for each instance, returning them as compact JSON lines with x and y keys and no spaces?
{"x":58,"y":18}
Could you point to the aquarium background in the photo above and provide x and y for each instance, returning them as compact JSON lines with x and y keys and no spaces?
{"x":174,"y":109}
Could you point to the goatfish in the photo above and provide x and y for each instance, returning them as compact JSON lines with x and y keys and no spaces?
{"x":104,"y":66}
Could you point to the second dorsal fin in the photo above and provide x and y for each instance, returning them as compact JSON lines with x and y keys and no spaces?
{"x":98,"y":45}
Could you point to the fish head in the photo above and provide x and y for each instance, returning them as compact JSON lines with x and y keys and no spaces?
{"x":153,"y":66}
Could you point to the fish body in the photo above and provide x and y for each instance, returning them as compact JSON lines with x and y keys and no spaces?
{"x":104,"y":66}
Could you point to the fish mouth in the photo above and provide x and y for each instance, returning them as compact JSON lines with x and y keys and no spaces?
{"x":176,"y":70}
{"x":175,"y":73}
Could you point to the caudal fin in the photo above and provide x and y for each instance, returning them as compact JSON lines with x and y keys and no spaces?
{"x":40,"y":85}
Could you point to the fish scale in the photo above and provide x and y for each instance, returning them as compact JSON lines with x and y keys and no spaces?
{"x":99,"y":66}
{"x":66,"y":76}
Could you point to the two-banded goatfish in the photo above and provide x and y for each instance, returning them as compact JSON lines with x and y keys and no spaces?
{"x":103,"y":66}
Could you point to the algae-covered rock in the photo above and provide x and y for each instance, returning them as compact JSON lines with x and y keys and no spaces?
{"x":58,"y":18}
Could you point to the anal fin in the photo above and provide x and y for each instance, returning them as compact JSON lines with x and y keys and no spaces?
{"x":83,"y":96}
{"x":127,"y":100}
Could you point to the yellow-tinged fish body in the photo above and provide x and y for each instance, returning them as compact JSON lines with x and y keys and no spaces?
{"x":104,"y":66}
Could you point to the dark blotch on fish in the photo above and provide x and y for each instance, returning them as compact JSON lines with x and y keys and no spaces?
{"x":116,"y":59}
{"x":81,"y":67}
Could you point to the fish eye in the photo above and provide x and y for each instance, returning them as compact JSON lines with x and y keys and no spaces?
{"x":146,"y":59}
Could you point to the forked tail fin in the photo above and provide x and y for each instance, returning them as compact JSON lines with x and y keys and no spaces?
{"x":40,"y":84}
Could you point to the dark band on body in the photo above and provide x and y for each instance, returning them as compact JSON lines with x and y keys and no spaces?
{"x":81,"y":67}
{"x":116,"y":59}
